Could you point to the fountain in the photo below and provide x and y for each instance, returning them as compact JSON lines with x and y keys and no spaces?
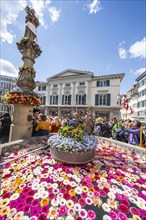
{"x":23,"y":97}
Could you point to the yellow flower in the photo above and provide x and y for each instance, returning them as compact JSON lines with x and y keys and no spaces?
{"x":19,"y":190}
{"x":72,"y":192}
{"x":85,"y":189}
{"x":4,"y":202}
{"x":4,"y":210}
{"x":44,"y":201}
{"x":69,"y":203}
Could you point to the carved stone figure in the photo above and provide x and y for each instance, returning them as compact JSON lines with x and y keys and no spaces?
{"x":32,"y":23}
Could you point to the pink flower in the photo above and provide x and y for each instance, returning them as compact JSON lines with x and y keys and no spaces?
{"x":134,"y":211}
{"x":35,"y":211}
{"x":42,"y":217}
{"x":45,"y":208}
{"x":91,"y":214}
{"x":123,"y":208}
{"x":122,"y":216}
{"x":63,"y":210}
{"x":113,"y":215}
{"x":26,"y":208}
{"x":82,"y":202}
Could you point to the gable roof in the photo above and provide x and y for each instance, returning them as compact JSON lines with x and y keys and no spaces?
{"x":71,"y":72}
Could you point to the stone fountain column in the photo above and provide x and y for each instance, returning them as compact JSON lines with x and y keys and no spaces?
{"x":25,"y":98}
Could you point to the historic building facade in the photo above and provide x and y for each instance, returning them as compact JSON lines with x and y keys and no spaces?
{"x":73,"y":90}
{"x":7,"y":83}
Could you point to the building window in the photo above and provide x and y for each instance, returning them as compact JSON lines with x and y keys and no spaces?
{"x":82,"y":83}
{"x":103,"y":83}
{"x":66,"y":99}
{"x":41,"y":88}
{"x":67,"y":84}
{"x":55,"y":85}
{"x":81,"y":99}
{"x":55,"y":99}
{"x":102,"y":99}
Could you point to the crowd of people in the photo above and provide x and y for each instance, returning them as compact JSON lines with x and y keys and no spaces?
{"x":126,"y":131}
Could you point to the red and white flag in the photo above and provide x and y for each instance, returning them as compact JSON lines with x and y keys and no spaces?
{"x":131,"y":110}
{"x":125,"y":104}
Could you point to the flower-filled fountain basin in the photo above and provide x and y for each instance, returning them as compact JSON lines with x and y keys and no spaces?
{"x":72,"y":151}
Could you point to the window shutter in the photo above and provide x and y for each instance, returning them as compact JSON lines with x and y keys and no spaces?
{"x":108,"y":83}
{"x":108,"y":99}
{"x":76,"y":99}
{"x":50,"y":99}
{"x":44,"y":100}
{"x":57,"y":99}
{"x":84,"y":99}
{"x":97,"y":84}
{"x":62,"y":99}
{"x":96,"y":99}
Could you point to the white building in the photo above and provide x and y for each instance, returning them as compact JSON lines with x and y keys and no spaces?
{"x":7,"y":83}
{"x":141,"y":112}
{"x":73,"y":90}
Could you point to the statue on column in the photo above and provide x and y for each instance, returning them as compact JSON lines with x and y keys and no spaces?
{"x":32,"y":23}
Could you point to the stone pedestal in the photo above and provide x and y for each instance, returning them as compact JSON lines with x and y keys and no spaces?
{"x":21,"y":127}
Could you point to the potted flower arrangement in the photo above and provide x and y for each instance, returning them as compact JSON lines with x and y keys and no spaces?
{"x":20,"y":98}
{"x":72,"y":145}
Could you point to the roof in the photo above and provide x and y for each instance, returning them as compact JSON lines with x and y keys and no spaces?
{"x":141,"y":76}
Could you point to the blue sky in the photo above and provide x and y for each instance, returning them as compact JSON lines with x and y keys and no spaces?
{"x":101,"y":36}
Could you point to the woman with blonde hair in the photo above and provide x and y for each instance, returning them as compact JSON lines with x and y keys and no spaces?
{"x":42,"y":127}
{"x":55,"y":125}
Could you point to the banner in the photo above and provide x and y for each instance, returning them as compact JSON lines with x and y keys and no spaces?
{"x":125,"y":104}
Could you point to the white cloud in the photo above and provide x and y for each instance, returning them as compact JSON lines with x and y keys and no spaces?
{"x":9,"y":14}
{"x":7,"y":68}
{"x":94,"y":7}
{"x":140,"y":71}
{"x":122,"y":53}
{"x":138,"y":49}
{"x":54,"y":14}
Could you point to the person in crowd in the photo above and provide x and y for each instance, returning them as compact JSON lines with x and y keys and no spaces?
{"x":43,"y":127}
{"x":136,"y":134}
{"x":36,"y":113}
{"x":55,"y":125}
{"x":5,"y":124}
{"x":88,"y":124}
{"x":120,"y":134}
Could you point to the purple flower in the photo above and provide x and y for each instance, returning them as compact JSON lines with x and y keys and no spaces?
{"x":35,"y":202}
{"x":35,"y":211}
{"x":20,"y":206}
{"x":62,"y":210}
{"x":91,"y":214}
{"x":13,"y":203}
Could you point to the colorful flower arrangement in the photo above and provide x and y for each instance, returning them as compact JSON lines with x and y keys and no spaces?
{"x":35,"y":187}
{"x":27,"y":68}
{"x":20,"y":98}
{"x":27,"y":42}
{"x":73,"y":139}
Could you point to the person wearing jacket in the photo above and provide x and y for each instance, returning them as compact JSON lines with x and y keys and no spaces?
{"x":135,"y":134}
{"x":43,"y":127}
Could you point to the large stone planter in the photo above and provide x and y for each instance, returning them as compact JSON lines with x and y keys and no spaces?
{"x":72,"y":157}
